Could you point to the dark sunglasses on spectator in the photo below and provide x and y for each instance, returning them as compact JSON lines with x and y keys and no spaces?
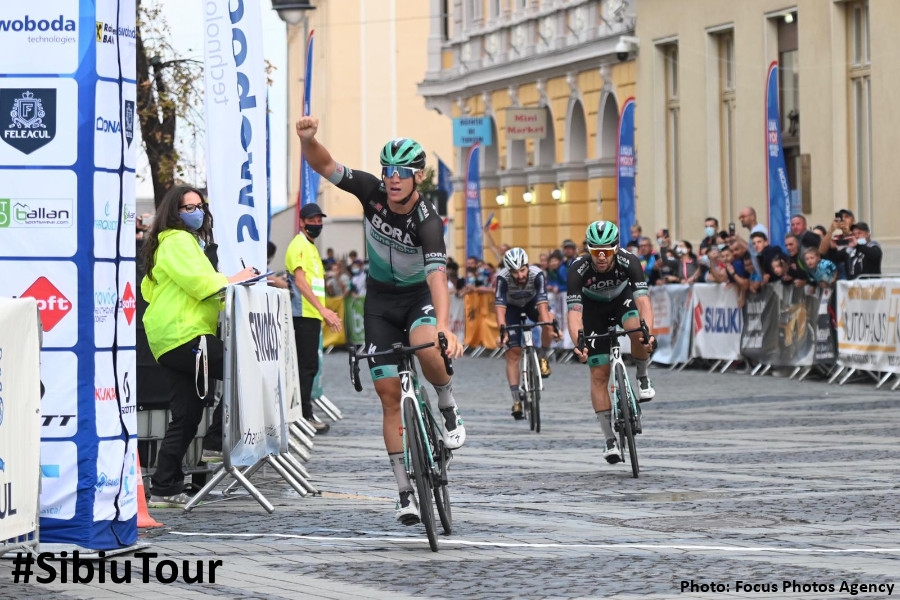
{"x":403,"y":172}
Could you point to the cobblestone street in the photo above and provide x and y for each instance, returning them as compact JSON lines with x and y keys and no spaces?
{"x":744,"y":479}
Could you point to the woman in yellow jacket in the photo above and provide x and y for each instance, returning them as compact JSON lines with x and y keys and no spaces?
{"x":181,"y":318}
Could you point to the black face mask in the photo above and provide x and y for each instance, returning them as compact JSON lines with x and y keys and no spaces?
{"x":313,"y":231}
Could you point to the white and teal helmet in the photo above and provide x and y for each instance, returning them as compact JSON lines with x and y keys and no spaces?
{"x":603,"y":234}
{"x":403,"y":152}
{"x":515,"y":259}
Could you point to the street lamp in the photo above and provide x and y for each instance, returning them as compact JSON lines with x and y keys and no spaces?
{"x":292,"y":11}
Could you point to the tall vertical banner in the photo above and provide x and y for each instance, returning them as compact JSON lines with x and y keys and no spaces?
{"x":67,"y":150}
{"x":474,"y":234}
{"x":309,"y":179}
{"x":235,"y":108}
{"x":777,"y":187}
{"x":625,"y":158}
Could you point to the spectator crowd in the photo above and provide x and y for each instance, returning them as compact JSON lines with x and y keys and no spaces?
{"x":743,"y":257}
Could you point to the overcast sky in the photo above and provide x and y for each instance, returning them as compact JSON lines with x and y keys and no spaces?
{"x":185,"y":22}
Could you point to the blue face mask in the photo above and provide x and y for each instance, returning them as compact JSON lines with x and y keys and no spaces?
{"x":710,"y":231}
{"x":192,"y":220}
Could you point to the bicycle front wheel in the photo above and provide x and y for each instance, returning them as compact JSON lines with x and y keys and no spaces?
{"x":626,"y":433}
{"x":441,"y":456}
{"x":534,"y":414}
{"x":421,"y":469}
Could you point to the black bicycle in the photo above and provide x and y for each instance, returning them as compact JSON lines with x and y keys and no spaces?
{"x":424,"y":453}
{"x":625,"y":406}
{"x":529,"y":370}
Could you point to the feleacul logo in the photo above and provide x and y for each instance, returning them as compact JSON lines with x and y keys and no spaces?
{"x":35,"y":212}
{"x":33,"y":112}
{"x":51,"y":303}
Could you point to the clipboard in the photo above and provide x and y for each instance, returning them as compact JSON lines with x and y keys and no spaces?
{"x":253,"y":279}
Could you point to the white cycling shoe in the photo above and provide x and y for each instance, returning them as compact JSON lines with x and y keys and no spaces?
{"x":645,"y":389}
{"x":407,"y":509}
{"x":454,"y":431}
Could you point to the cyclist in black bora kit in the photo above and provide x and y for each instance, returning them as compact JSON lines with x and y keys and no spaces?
{"x":607,"y":285}
{"x":406,"y":290}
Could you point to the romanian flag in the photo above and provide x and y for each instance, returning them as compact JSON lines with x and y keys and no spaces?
{"x":492,"y":222}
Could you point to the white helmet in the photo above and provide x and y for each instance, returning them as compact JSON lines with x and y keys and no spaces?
{"x":515,"y":259}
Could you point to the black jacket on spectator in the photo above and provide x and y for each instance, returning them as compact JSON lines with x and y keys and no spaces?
{"x":768,"y":254}
{"x":864,"y":259}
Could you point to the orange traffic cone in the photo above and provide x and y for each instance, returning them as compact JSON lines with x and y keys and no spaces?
{"x":143,"y":517}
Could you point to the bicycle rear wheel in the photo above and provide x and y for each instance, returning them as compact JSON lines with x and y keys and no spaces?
{"x":421,"y":470}
{"x":626,"y":434}
{"x":441,"y":456}
{"x":534,"y":414}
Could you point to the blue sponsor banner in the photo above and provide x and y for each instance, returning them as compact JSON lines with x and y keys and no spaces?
{"x":472,"y":130}
{"x":309,"y":179}
{"x":777,"y":187}
{"x":474,"y":235}
{"x":625,"y":172}
{"x":444,"y":179}
{"x":67,"y":158}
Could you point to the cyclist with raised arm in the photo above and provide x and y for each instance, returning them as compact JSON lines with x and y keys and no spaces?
{"x":520,"y":288}
{"x":605,"y":285}
{"x":406,"y":289}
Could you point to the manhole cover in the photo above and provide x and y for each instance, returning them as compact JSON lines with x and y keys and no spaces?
{"x":687,"y":523}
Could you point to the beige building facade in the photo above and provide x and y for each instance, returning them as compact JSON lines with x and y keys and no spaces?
{"x":489,"y":59}
{"x":701,"y":78}
{"x":368,"y":57}
{"x":697,"y":69}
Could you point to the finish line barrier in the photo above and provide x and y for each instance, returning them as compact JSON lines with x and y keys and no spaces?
{"x":855,"y":328}
{"x":261,"y":393}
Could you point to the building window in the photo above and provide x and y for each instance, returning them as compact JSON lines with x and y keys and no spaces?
{"x":494,"y":9}
{"x":861,"y":109}
{"x":673,"y":184}
{"x":474,"y":12}
{"x":727,"y":100}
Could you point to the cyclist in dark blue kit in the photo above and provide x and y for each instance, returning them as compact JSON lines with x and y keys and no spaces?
{"x":406,"y":289}
{"x":520,"y":288}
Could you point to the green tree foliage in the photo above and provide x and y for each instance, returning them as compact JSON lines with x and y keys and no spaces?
{"x":168,"y":94}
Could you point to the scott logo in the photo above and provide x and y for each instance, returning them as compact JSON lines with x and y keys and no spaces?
{"x":51,"y":302}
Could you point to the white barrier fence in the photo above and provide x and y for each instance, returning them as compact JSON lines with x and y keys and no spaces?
{"x":853,"y":329}
{"x":261,"y":398}
{"x":20,"y":422}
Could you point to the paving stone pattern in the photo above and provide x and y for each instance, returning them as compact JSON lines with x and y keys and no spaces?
{"x":759,"y":480}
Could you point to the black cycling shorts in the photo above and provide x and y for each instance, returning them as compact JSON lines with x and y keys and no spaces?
{"x":598,"y":316}
{"x":388,"y":319}
{"x":514,"y":317}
